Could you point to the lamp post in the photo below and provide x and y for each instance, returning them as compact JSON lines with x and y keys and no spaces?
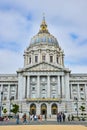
{"x":21,"y":106}
{"x":11,"y":98}
{"x":10,"y":107}
{"x":1,"y":104}
{"x":65,"y":107}
{"x":76,"y":99}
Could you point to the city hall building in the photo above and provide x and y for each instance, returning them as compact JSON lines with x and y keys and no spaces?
{"x":44,"y":85}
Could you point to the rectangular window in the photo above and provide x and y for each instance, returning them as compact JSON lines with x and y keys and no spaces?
{"x":43,"y":89}
{"x":29,"y":60}
{"x":81,"y":89}
{"x":33,"y":88}
{"x":5,"y":98}
{"x":43,"y":58}
{"x":57,"y":59}
{"x":36,"y":59}
{"x":51,"y":59}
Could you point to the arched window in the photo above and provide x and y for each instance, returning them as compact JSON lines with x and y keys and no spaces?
{"x":54,"y":109}
{"x":43,"y":109}
{"x":33,"y":109}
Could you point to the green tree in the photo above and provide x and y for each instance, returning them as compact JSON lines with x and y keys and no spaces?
{"x":4,"y":110}
{"x":15,"y":108}
{"x":82,"y":108}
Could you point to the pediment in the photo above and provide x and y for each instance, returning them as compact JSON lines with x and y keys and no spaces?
{"x":43,"y":67}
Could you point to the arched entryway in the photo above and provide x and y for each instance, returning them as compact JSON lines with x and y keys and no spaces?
{"x":43,"y":109}
{"x":32,"y":109}
{"x":54,"y":109}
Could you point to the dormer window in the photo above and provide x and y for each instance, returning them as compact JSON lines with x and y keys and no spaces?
{"x":36,"y":59}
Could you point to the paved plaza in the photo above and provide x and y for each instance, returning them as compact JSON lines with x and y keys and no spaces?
{"x":44,"y":122}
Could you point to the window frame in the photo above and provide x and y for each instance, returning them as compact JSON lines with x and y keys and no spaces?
{"x":36,"y":58}
{"x":51,"y":58}
{"x":43,"y":57}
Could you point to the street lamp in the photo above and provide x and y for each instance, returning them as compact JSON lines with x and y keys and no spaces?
{"x":1,"y":104}
{"x":11,"y":98}
{"x":21,"y":106}
{"x":76,"y":99}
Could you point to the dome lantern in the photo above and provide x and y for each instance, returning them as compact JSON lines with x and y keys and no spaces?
{"x":43,"y":36}
{"x":43,"y":27}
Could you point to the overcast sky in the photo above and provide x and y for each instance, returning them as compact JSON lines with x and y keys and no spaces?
{"x":20,"y":21}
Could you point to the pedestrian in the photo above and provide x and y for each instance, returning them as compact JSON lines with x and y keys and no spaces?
{"x":40,"y":117}
{"x":63,"y":116}
{"x":57,"y":117}
{"x":60,"y":117}
{"x":24,"y":118}
{"x":72,"y":118}
{"x":17,"y":119}
{"x":6,"y":119}
{"x":45,"y":117}
{"x":35,"y":117}
{"x":29,"y":117}
{"x":69,"y":117}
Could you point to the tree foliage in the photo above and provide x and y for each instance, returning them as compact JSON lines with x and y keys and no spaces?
{"x":4,"y":110}
{"x":82,"y":108}
{"x":15,"y":108}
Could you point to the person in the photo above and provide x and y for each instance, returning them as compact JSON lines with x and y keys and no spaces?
{"x":60,"y":117}
{"x":45,"y":117}
{"x":6,"y":119}
{"x":17,"y":119}
{"x":35,"y":117}
{"x":24,"y":118}
{"x":29,"y":117}
{"x":69,"y":117}
{"x":72,"y":118}
{"x":63,"y":116}
{"x":57,"y":117}
{"x":40,"y":117}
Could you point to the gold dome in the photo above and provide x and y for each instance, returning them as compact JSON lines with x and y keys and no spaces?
{"x":43,"y":36}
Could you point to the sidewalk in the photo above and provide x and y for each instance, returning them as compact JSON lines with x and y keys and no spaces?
{"x":43,"y":127}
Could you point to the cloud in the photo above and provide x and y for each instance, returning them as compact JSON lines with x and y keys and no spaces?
{"x":13,"y":26}
{"x":9,"y":61}
{"x":20,"y":20}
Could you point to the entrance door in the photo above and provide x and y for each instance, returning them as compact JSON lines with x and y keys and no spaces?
{"x":33,"y":109}
{"x":54,"y":109}
{"x":44,"y":109}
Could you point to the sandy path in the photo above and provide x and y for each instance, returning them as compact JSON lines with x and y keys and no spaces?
{"x":43,"y":127}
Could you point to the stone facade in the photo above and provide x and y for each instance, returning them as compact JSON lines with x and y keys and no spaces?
{"x":44,"y":85}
